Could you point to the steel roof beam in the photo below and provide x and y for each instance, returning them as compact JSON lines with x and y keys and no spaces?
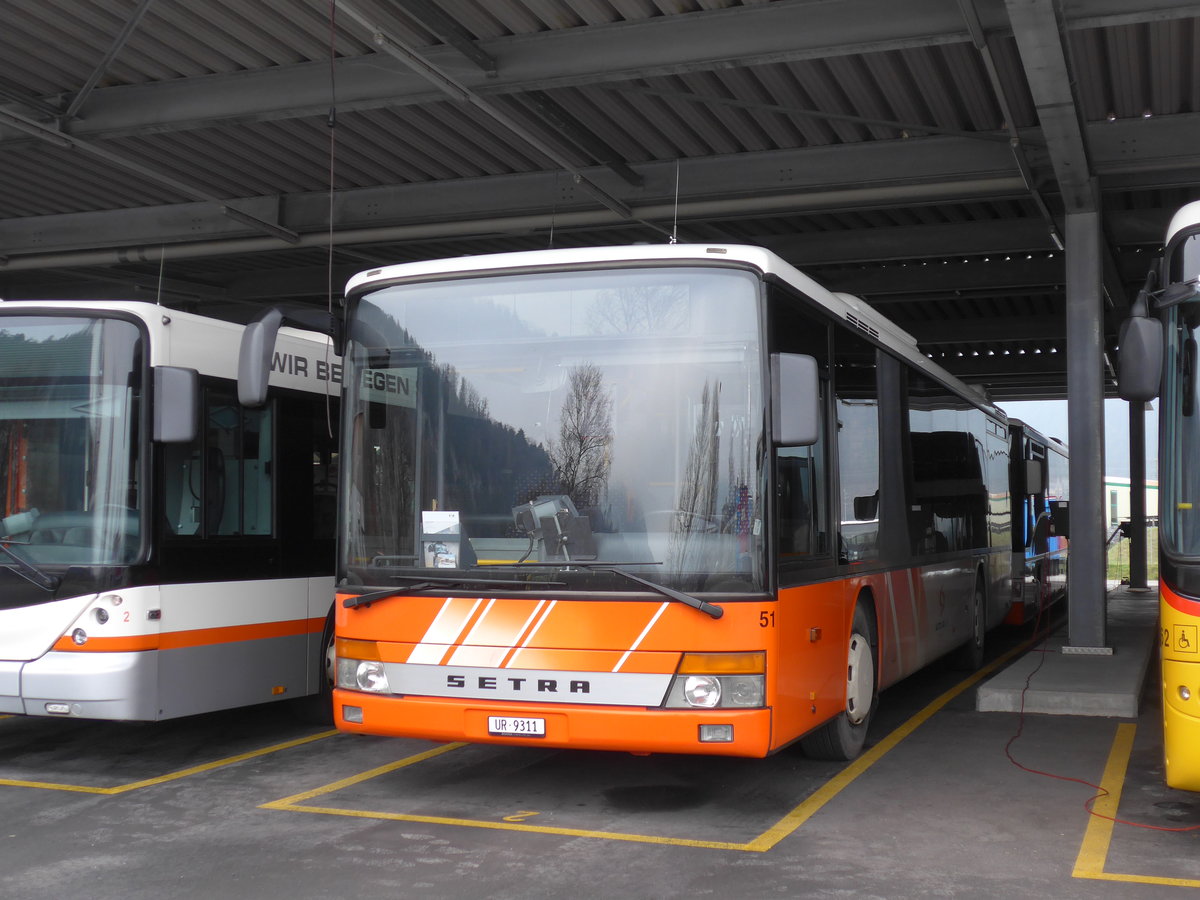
{"x":952,"y":241}
{"x":899,"y":173}
{"x":1039,"y":40}
{"x":1030,"y":366}
{"x":983,"y":43}
{"x":186,"y":189}
{"x":779,"y":32}
{"x":1040,"y":37}
{"x":809,"y":180}
{"x":905,"y":284}
{"x":456,"y":89}
{"x":101,"y":68}
{"x":988,"y":330}
{"x":431,"y":17}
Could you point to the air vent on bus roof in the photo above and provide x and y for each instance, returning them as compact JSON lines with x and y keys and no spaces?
{"x":861,"y":325}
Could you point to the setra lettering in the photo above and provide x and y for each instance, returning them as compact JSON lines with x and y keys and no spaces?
{"x":519,"y":684}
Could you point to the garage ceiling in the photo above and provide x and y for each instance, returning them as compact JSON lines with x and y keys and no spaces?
{"x":219,"y":154}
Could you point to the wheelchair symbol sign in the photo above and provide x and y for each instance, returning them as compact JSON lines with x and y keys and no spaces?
{"x":1184,"y":639}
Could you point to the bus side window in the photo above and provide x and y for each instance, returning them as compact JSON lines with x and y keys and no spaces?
{"x":856,"y":392}
{"x":221,"y":484}
{"x":797,"y":534}
{"x":802,"y":473}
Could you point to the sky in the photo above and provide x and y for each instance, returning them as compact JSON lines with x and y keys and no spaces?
{"x":1050,"y":418}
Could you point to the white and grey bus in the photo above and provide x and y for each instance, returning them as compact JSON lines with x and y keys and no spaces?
{"x":164,"y":551}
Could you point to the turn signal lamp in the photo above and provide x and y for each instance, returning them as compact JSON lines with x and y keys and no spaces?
{"x":723,"y":664}
{"x":719,"y":681}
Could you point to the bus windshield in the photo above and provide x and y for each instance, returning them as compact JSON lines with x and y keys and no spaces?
{"x":1180,"y":512}
{"x":70,"y":388}
{"x":516,"y":424}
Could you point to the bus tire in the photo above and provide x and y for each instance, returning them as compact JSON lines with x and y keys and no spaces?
{"x":969,"y":657}
{"x":317,"y":708}
{"x":843,"y":737}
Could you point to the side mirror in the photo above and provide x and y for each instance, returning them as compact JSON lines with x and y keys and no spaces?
{"x":1035,"y":476}
{"x":258,"y":346}
{"x":176,"y":405}
{"x":795,"y":400}
{"x":1139,"y":359}
{"x":254,"y":358}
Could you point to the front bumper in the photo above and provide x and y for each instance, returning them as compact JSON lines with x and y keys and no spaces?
{"x":571,"y":726}
{"x":84,"y":685}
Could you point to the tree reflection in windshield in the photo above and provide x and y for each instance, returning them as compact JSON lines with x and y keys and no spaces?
{"x":581,"y":454}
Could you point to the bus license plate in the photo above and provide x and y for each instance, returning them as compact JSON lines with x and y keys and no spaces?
{"x":512,"y":725}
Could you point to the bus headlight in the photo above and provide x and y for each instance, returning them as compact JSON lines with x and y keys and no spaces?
{"x":362,"y":675}
{"x":719,"y":681}
{"x":359,"y":667}
{"x":703,"y":691}
{"x":743,"y":690}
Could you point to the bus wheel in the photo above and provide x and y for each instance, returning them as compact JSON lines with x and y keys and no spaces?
{"x":843,"y":736}
{"x":317,"y":708}
{"x":969,"y":657}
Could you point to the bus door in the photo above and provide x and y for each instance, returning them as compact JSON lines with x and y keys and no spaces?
{"x":246,"y":640}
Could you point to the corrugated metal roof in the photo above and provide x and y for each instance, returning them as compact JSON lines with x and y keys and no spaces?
{"x":847,"y":137}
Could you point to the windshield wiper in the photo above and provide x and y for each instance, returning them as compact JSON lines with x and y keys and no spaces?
{"x":705,"y":607}
{"x":695,"y":602}
{"x":30,"y":572}
{"x":424,"y":582}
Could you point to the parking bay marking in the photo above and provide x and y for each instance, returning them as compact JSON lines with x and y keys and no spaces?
{"x":1093,"y":852}
{"x":172,"y":776}
{"x":764,"y":842}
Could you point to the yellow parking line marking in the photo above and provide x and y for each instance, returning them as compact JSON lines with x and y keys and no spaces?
{"x":764,"y":842}
{"x":806,"y":810}
{"x":173,"y":776}
{"x":507,"y":826}
{"x":293,"y":804}
{"x":1093,"y":852}
{"x":287,"y":802}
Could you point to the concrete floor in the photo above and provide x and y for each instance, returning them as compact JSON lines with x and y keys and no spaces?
{"x":253,"y":804}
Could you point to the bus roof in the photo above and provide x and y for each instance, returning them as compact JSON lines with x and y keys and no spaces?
{"x":208,"y":345}
{"x":1187,"y":217}
{"x":1051,"y":443}
{"x":851,"y":309}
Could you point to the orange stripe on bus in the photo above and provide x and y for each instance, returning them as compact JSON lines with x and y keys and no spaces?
{"x":199,"y":637}
{"x":110,"y":645}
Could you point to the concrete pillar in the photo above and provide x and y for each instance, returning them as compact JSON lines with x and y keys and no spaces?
{"x":1137,"y":495}
{"x":1087,"y":597}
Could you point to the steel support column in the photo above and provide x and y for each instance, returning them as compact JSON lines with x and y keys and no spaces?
{"x":1137,"y":496}
{"x":1086,"y":587}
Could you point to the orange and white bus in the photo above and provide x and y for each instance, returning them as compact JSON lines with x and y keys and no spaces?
{"x":676,"y":499}
{"x":163,"y":550}
{"x":1158,"y":357}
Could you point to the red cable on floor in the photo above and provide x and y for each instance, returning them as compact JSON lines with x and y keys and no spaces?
{"x":1101,"y":792}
